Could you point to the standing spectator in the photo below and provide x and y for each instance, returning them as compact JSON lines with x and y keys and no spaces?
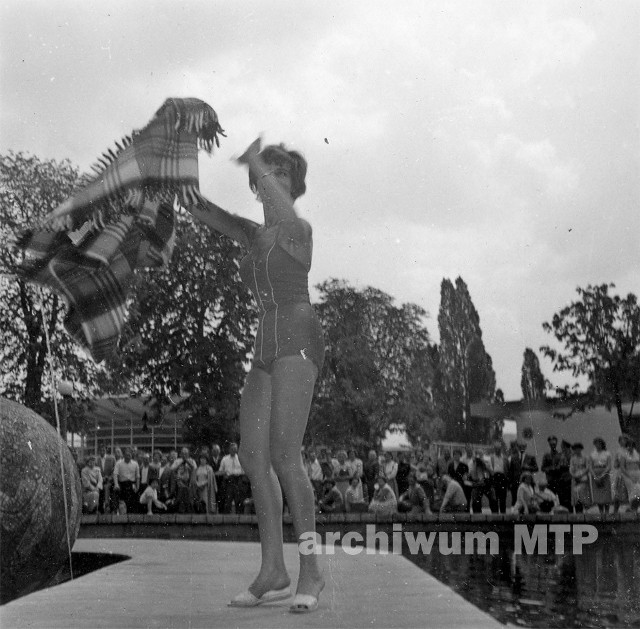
{"x":331,"y":500}
{"x":552,"y":464}
{"x":371,"y":469}
{"x":164,"y":480}
{"x":390,"y":471}
{"x":498,"y":465}
{"x":600,"y":464}
{"x":630,"y":470}
{"x":419,"y":467}
{"x":384,"y":498}
{"x":156,"y":465}
{"x":91,"y":485}
{"x":620,"y":496}
{"x":579,"y":470}
{"x":126,"y":480}
{"x":149,"y":497}
{"x":357,"y":467}
{"x":327,"y":463}
{"x":565,"y":480}
{"x":314,"y":471}
{"x":442,"y":466}
{"x":414,"y":499}
{"x":402,"y":477}
{"x":181,"y":490}
{"x":519,"y":462}
{"x":185,"y":457}
{"x":204,"y":482}
{"x":233,"y":482}
{"x":454,"y":499}
{"x":145,"y":471}
{"x":458,"y":470}
{"x":215,"y":462}
{"x":481,"y":485}
{"x":342,"y":472}
{"x":106,"y":463}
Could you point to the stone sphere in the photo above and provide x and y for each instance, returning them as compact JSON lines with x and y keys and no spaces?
{"x":35,"y":535}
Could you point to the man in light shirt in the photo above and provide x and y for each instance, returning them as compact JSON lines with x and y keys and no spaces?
{"x":314,"y":471}
{"x":126,"y":480}
{"x":232,"y":473}
{"x":454,"y":500}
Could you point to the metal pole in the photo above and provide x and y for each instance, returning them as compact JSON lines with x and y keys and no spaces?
{"x":131,"y":432}
{"x":175,"y":430}
{"x":112,"y":440}
{"x":95,"y":440}
{"x":153,"y":434}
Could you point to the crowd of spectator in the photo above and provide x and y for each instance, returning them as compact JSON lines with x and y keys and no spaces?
{"x":466,"y":479}
{"x":134,"y":481}
{"x":496,"y":479}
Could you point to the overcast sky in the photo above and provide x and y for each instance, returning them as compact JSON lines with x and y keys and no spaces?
{"x":498,"y":141}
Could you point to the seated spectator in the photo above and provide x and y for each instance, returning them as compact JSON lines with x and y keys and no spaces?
{"x":149,"y":497}
{"x":332,"y":500}
{"x":384,"y":499}
{"x":414,"y":500}
{"x":354,"y":499}
{"x":91,"y":485}
{"x":454,"y":499}
{"x":548,"y":502}
{"x":526,"y":501}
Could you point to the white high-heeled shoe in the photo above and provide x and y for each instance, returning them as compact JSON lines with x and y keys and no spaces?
{"x":246,"y":599}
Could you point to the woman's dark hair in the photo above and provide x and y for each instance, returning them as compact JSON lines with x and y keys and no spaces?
{"x":278,"y":155}
{"x":600,"y":441}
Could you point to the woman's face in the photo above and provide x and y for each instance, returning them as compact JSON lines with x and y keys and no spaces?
{"x":282,"y":174}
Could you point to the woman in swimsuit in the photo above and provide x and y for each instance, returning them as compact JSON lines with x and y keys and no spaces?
{"x":288,"y":354}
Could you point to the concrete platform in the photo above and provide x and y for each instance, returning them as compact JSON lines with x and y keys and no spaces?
{"x":169,"y":584}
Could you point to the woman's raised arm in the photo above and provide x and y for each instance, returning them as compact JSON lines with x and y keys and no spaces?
{"x":235,"y":227}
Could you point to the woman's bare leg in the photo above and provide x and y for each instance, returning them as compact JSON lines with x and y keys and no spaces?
{"x":255,"y":410}
{"x":292,"y":382}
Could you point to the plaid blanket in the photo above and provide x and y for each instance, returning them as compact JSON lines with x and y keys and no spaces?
{"x":122,"y":218}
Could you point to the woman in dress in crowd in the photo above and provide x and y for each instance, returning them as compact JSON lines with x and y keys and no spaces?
{"x":384,"y":499}
{"x":343,"y":472}
{"x":579,"y":470}
{"x":630,"y":470}
{"x":288,"y":354}
{"x":91,"y":478}
{"x":353,"y":498}
{"x":600,"y":464}
{"x":204,"y":486}
{"x":390,"y":469}
{"x":526,"y":501}
{"x":620,"y":496}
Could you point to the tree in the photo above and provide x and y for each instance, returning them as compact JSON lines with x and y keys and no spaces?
{"x":465,"y":369}
{"x":30,"y":188}
{"x":377,"y":370}
{"x":190,"y":332}
{"x":532,"y":382}
{"x":600,"y":334}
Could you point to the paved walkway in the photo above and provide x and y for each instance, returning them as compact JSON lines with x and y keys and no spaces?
{"x":179,"y":584}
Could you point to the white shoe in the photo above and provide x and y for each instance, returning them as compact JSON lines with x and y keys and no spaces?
{"x":246,"y":599}
{"x":304,"y":604}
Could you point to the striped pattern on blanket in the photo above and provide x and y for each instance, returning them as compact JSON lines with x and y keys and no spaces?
{"x":122,"y":219}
